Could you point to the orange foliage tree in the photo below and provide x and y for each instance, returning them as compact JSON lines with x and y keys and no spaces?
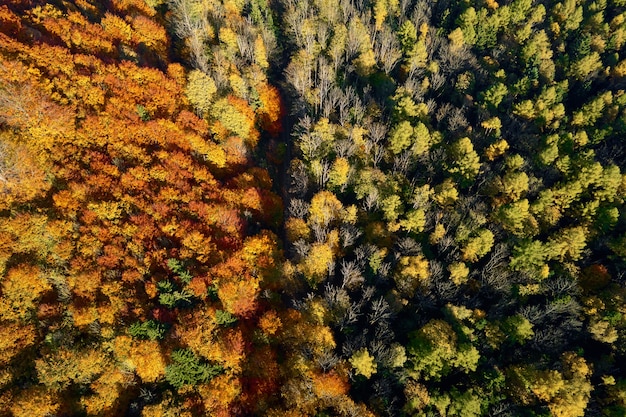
{"x":105,"y":176}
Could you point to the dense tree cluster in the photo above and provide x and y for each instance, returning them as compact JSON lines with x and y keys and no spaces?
{"x":455,"y":201}
{"x":136,"y":236}
{"x":312,"y":208}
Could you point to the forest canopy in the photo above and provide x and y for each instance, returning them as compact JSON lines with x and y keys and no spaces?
{"x":312,"y":208}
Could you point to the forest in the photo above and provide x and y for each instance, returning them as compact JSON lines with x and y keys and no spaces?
{"x":318,"y":208}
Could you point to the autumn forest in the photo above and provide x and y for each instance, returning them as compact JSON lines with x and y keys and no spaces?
{"x":312,"y":208}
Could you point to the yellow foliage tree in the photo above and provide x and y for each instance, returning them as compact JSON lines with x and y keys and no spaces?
{"x":339,"y":172}
{"x":363,"y":363}
{"x":413,"y":272}
{"x":478,"y":246}
{"x":148,"y":360}
{"x":36,"y":401}
{"x":325,"y":207}
{"x":200,"y":91}
{"x":315,"y":265}
{"x":14,"y":337}
{"x":22,"y":286}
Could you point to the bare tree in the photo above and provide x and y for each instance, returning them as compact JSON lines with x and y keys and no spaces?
{"x":324,"y":83}
{"x":8,"y":170}
{"x":363,"y":252}
{"x":358,"y":110}
{"x":298,"y":75}
{"x":349,"y":234}
{"x":323,"y":33}
{"x":344,"y":148}
{"x":298,"y":208}
{"x":299,"y":178}
{"x":377,"y":132}
{"x":379,"y":311}
{"x":383,"y":336}
{"x":351,"y":274}
{"x":560,"y":286}
{"x":320,"y":232}
{"x":350,"y":317}
{"x":384,"y":269}
{"x":301,"y":248}
{"x":422,"y":12}
{"x":371,"y":201}
{"x":321,"y":172}
{"x":335,"y":96}
{"x":245,"y":43}
{"x":378,"y":154}
{"x":457,"y":120}
{"x":402,"y":163}
{"x":387,"y":50}
{"x":408,"y":247}
{"x":327,"y":360}
{"x":353,"y":43}
{"x":347,"y":9}
{"x":431,"y":105}
{"x":219,"y":71}
{"x":295,"y":14}
{"x":437,"y":80}
{"x":344,"y":106}
{"x":188,"y":27}
{"x":309,"y":144}
{"x":533,"y":313}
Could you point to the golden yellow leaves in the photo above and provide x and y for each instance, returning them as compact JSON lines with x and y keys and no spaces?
{"x":363,"y":363}
{"x":22,"y":286}
{"x":413,"y":273}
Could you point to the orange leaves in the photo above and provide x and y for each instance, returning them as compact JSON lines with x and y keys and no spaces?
{"x":149,"y":87}
{"x":107,"y":175}
{"x":21,"y":287}
{"x":150,"y":34}
{"x":63,"y":367}
{"x":196,"y":245}
{"x":262,"y":379}
{"x":251,"y":199}
{"x":74,"y":29}
{"x":85,"y":284}
{"x":9,"y":22}
{"x":257,"y":199}
{"x":116,"y":27}
{"x":260,"y":251}
{"x":65,"y":202}
{"x":14,"y":337}
{"x":148,"y":360}
{"x":21,"y":177}
{"x":189,"y":121}
{"x":144,"y":357}
{"x":240,"y":278}
{"x":232,"y":344}
{"x":199,"y":334}
{"x":108,"y":389}
{"x":271,"y":111}
{"x":329,"y":385}
{"x":199,"y":287}
{"x":270,"y":323}
{"x":35,"y":401}
{"x":132,"y":7}
{"x":240,"y":297}
{"x":209,"y":151}
{"x":594,"y":277}
{"x":219,"y":394}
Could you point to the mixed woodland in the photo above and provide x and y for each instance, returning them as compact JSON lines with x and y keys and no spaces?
{"x":312,"y":208}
